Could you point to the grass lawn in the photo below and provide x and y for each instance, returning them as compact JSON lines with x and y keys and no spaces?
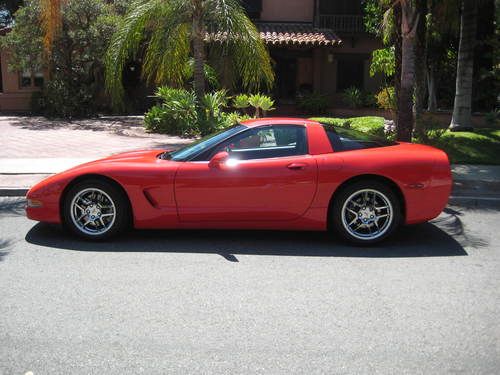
{"x":479,"y":147}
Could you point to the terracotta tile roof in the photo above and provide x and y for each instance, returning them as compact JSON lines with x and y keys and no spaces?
{"x":296,"y":33}
{"x":278,"y":33}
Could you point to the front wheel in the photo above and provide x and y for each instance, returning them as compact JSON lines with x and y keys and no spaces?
{"x":365,"y":212}
{"x":95,"y":209}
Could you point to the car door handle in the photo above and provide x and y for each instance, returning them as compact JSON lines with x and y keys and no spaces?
{"x":296,"y":166}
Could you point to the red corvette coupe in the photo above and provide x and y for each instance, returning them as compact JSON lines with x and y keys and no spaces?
{"x":274,"y":173}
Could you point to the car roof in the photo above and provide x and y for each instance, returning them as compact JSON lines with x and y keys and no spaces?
{"x":278,"y":121}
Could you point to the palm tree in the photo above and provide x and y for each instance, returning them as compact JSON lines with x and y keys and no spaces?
{"x":51,"y":19}
{"x":461,"y":118}
{"x":409,"y":22}
{"x":166,"y":33}
{"x":405,"y":18}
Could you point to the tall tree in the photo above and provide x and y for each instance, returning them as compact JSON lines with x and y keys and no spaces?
{"x":420,"y":65}
{"x":461,"y":118}
{"x":168,"y":33}
{"x":409,"y":22}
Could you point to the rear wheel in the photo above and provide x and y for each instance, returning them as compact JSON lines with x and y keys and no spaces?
{"x":96,"y":210}
{"x":365,"y":212}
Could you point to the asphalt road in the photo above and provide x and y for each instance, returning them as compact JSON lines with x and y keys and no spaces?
{"x":156,"y":302}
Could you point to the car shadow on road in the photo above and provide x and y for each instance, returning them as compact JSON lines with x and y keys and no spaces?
{"x":424,"y":240}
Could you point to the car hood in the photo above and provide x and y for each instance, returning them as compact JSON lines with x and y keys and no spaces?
{"x":139,"y":156}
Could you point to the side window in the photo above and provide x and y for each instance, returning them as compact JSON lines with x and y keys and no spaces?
{"x":266,"y":142}
{"x":343,"y":139}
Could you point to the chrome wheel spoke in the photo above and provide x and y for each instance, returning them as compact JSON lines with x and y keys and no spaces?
{"x":369,"y":219}
{"x":87,"y":211}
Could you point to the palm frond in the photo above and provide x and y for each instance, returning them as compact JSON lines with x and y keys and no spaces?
{"x":125,"y":43}
{"x":242,"y":42}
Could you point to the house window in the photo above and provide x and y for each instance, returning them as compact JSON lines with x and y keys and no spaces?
{"x":253,"y":8}
{"x":29,"y":79}
{"x":350,"y":72}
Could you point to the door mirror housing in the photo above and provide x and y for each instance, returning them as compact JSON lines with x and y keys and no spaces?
{"x":218,"y":159}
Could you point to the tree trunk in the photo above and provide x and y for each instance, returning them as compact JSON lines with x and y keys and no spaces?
{"x":405,"y":100}
{"x":431,"y":88}
{"x":198,"y":50}
{"x":420,"y":66}
{"x":409,"y":22}
{"x":397,"y":54}
{"x":461,"y":119}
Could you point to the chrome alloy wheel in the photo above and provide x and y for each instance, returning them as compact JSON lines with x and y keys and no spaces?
{"x":367,"y":214}
{"x":93,"y":211}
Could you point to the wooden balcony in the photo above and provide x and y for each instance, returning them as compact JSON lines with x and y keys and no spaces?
{"x":346,"y":23}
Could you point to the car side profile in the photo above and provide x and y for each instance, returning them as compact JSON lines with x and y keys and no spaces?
{"x":271,"y":173}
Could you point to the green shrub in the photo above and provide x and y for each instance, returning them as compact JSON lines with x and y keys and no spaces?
{"x":176,"y":114}
{"x":313,"y":104}
{"x":353,"y":97}
{"x":369,"y":99}
{"x":260,"y":103}
{"x":61,"y":98}
{"x":180,"y":113}
{"x":240,"y":101}
{"x":386,"y":99}
{"x":212,"y":117}
{"x":492,"y":117}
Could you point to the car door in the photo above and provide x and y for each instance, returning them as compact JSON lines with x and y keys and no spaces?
{"x":268,"y":176}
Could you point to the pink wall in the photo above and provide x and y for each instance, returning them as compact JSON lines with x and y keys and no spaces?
{"x":13,"y":98}
{"x":287,"y":10}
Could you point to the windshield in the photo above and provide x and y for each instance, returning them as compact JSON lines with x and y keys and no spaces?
{"x":203,"y":144}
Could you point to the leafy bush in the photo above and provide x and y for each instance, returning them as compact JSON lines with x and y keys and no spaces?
{"x":386,"y":99}
{"x":175,"y":115}
{"x":60,"y":98}
{"x":492,"y":117}
{"x":260,"y":103}
{"x":240,"y":101}
{"x":180,"y":113}
{"x":369,"y":99}
{"x":353,"y":97}
{"x":313,"y":104}
{"x":212,"y":116}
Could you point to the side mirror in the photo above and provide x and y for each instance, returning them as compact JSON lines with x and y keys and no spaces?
{"x":218,"y":159}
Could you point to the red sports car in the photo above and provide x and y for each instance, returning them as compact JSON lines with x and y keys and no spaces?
{"x":274,"y":173}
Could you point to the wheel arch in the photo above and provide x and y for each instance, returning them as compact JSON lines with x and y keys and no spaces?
{"x":368,"y":177}
{"x":95,"y":176}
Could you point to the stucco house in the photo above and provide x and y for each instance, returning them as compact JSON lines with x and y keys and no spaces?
{"x":16,"y":88}
{"x":315,"y":45}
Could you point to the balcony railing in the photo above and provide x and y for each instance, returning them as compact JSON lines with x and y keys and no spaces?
{"x":347,"y":23}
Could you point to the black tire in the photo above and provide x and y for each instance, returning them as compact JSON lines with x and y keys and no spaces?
{"x":122,"y":214}
{"x":372,"y":225}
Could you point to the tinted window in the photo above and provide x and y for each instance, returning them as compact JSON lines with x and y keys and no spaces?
{"x":266,"y":142}
{"x":343,"y":139}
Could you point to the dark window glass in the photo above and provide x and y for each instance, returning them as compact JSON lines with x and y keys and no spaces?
{"x":343,"y":139}
{"x":253,"y":8}
{"x":350,"y":72}
{"x":340,"y":7}
{"x":265,"y":142}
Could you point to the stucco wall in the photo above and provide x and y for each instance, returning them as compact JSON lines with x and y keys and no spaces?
{"x":287,"y":10}
{"x":12,"y":97}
